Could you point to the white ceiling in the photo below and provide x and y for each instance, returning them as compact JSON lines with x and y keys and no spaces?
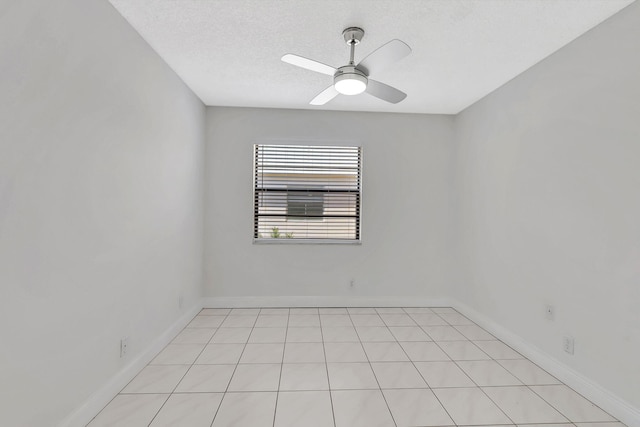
{"x":228,"y":51}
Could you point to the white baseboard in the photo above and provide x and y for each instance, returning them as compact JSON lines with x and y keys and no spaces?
{"x":99,"y":399}
{"x":323,"y":301}
{"x":602,"y":397}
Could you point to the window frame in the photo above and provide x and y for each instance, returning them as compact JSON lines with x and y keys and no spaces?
{"x":312,"y":241}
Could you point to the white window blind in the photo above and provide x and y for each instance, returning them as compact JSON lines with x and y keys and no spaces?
{"x":307,"y":192}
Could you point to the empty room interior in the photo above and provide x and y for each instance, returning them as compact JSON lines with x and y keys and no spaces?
{"x":279,"y":213}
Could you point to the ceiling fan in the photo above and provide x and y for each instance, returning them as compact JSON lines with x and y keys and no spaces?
{"x":352,"y":79}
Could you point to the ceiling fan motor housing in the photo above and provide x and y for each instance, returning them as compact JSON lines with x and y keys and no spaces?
{"x":348,"y":80}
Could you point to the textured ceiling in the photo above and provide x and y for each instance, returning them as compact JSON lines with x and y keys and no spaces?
{"x":228,"y":51}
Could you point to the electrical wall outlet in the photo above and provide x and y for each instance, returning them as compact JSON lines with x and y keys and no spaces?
{"x":180,"y":301}
{"x":567,"y":344}
{"x":352,"y":283}
{"x":549,"y":312}
{"x":124,"y":346}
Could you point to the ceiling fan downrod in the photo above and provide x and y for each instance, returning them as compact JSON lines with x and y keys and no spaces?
{"x":352,"y":36}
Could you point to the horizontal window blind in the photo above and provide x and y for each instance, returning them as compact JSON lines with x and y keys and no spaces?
{"x":307,"y":192}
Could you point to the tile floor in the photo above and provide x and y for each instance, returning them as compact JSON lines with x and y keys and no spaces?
{"x":343,"y":367}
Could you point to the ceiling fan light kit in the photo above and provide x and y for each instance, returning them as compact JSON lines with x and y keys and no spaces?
{"x":348,"y":80}
{"x":352,"y":79}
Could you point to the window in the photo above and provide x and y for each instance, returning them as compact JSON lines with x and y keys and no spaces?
{"x":305,"y":206}
{"x":309,"y":193}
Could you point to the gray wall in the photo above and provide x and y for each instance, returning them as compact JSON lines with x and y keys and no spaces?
{"x":101,"y":177}
{"x":548,"y":181}
{"x":405,"y":207}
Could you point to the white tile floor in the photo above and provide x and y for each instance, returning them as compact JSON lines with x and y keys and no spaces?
{"x":338,"y":367}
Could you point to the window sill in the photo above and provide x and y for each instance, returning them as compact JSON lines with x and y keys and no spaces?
{"x":305,"y":242}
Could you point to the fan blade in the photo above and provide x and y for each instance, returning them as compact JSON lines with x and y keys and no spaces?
{"x":309,"y":64}
{"x":325,"y":96}
{"x":384,"y":56}
{"x":385,"y":92}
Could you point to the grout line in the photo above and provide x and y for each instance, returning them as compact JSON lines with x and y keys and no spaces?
{"x":562,"y":413}
{"x":375,"y":361}
{"x":234,"y":369}
{"x":326,"y":367}
{"x":374,"y":372}
{"x":549,"y":403}
{"x":284,"y":347}
{"x":348,"y":389}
